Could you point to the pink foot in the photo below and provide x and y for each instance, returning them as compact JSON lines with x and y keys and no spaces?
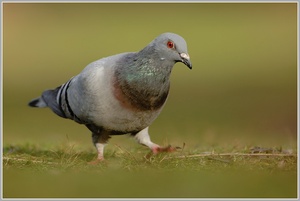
{"x":96,"y":161}
{"x":168,"y":148}
{"x":158,"y":149}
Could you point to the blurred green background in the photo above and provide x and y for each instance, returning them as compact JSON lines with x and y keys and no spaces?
{"x":242,"y":89}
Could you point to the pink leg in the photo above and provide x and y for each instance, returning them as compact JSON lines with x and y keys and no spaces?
{"x":100,"y":157}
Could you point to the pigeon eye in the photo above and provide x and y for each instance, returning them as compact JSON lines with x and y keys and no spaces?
{"x":170,"y":44}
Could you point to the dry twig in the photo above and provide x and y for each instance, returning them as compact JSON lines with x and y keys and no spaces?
{"x":233,"y":154}
{"x":26,"y":160}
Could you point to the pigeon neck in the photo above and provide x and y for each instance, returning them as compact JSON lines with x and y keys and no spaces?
{"x":144,"y":82}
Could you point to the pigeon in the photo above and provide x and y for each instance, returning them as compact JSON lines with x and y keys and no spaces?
{"x":120,"y":94}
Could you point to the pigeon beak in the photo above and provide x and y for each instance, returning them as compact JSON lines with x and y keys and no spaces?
{"x":186,"y":60}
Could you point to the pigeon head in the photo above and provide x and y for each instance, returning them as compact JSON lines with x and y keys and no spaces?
{"x":172,"y":47}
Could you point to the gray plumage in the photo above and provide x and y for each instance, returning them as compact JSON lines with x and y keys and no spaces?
{"x":120,"y":94}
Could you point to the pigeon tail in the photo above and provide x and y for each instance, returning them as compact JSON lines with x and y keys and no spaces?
{"x":37,"y":102}
{"x":48,"y":99}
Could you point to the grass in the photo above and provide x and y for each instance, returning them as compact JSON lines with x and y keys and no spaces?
{"x":69,"y":156}
{"x":186,"y":173}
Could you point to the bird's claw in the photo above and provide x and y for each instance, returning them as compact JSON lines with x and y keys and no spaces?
{"x":168,"y":148}
{"x":96,"y":161}
{"x":157,"y":150}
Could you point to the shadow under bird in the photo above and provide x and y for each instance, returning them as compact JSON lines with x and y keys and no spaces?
{"x":120,"y":94}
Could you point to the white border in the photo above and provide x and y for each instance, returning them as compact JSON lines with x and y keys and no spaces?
{"x":146,"y":1}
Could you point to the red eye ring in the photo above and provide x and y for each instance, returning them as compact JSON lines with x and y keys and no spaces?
{"x":170,"y":44}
